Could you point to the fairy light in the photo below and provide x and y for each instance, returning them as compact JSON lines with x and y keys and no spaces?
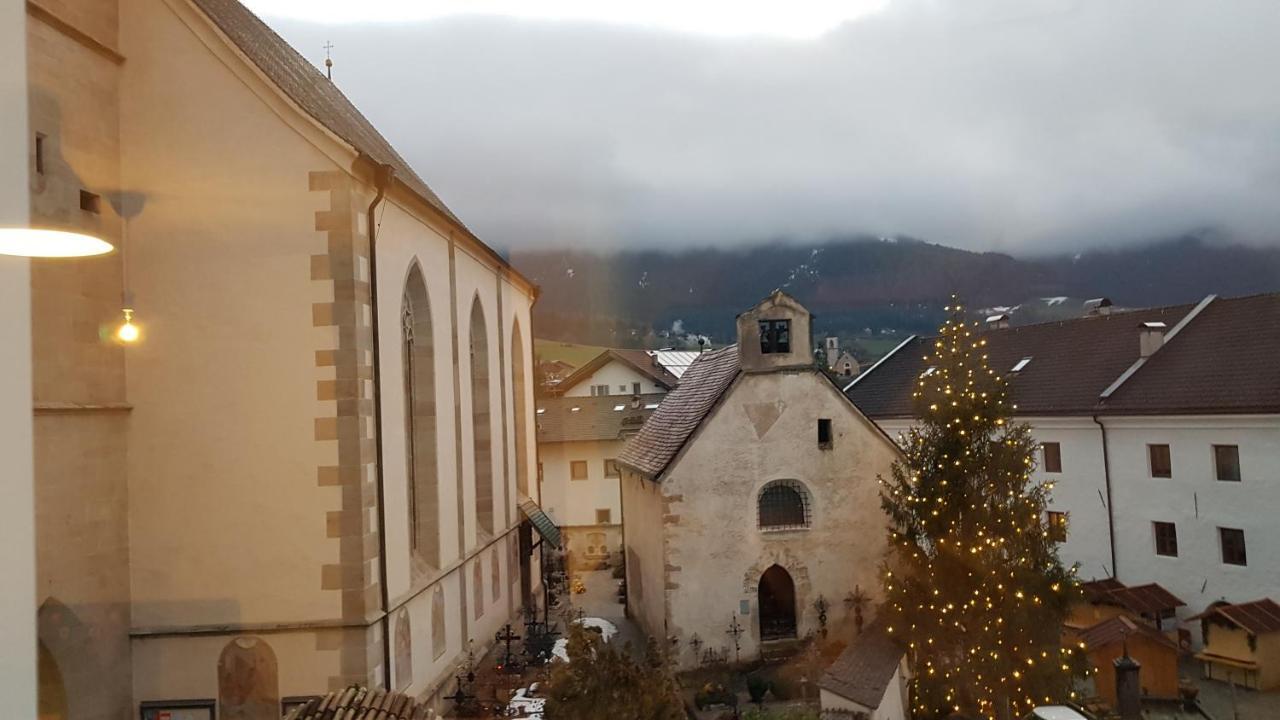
{"x":980,"y":594}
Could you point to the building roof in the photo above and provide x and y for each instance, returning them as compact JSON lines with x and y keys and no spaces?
{"x":1257,"y":617}
{"x":1224,"y":361}
{"x":306,"y":86}
{"x":639,"y":360}
{"x":1117,"y":629}
{"x":863,"y":671}
{"x":652,"y":449}
{"x":361,"y":703}
{"x":1219,"y":362}
{"x":1149,"y":599}
{"x":676,"y":361}
{"x":545,"y":526}
{"x":607,"y":417}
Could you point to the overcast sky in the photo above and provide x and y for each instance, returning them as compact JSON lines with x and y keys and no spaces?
{"x":1024,"y":126}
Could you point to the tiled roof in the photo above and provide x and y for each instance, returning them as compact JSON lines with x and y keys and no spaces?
{"x":669,"y":428}
{"x":863,"y":671}
{"x":608,"y":417}
{"x":361,"y":703}
{"x":1149,"y":599}
{"x":1222,"y":361}
{"x":640,"y":360}
{"x":1257,"y":617}
{"x":1116,"y":629}
{"x":1226,"y":360}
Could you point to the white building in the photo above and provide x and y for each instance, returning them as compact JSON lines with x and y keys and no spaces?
{"x":621,"y":372}
{"x":579,"y":439}
{"x":751,"y":494}
{"x":1160,"y":429}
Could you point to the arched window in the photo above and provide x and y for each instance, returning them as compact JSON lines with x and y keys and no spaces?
{"x":404,"y":651}
{"x":481,"y":428}
{"x":477,"y":585}
{"x":783,"y":505}
{"x":521,"y":407}
{"x":438,"y":640}
{"x":418,"y":360}
{"x":495,"y":574}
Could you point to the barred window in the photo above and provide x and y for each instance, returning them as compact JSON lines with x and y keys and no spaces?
{"x":784,"y":505}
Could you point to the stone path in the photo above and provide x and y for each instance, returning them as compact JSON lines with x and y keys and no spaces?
{"x":601,"y":600}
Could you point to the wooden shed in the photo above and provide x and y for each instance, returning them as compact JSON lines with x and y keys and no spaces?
{"x":1242,"y":643}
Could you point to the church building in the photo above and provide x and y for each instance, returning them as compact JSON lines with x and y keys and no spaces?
{"x":750,"y":497}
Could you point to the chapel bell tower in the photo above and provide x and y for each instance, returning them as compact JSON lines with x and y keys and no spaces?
{"x":774,"y":335}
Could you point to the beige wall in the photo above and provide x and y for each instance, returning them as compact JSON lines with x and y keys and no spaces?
{"x":715,"y":552}
{"x":574,"y":502}
{"x":643,"y":506}
{"x":17,"y":555}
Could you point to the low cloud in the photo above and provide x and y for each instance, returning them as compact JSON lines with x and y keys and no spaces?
{"x":1029,"y":126}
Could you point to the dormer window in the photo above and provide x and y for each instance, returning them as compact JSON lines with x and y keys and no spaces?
{"x":775,"y":337}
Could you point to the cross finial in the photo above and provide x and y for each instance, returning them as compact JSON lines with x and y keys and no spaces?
{"x":328,"y":61}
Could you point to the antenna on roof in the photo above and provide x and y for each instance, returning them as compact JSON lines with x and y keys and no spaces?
{"x":328,"y":61}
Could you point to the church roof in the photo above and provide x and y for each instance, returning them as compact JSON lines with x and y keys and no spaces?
{"x":361,"y":703}
{"x":306,"y":86}
{"x":863,"y":671}
{"x":605,"y":417}
{"x":671,"y":425}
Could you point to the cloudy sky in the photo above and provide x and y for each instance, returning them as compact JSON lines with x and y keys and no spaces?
{"x":1025,"y":126}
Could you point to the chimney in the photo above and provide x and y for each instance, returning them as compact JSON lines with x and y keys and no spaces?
{"x":998,"y":322}
{"x":1097,"y":306}
{"x":1150,"y":337}
{"x":1128,"y":686}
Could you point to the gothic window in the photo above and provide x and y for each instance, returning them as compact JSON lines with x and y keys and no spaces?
{"x":481,"y":426}
{"x":418,"y":362}
{"x":477,"y":586}
{"x":775,"y":336}
{"x":783,"y":505}
{"x":495,"y":575}
{"x":521,"y":408}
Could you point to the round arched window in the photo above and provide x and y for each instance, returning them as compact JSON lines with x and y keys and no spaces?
{"x":783,"y":505}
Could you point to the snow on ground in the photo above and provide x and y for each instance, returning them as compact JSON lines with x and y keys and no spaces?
{"x":525,"y":704}
{"x":606,"y":629}
{"x":1058,"y":300}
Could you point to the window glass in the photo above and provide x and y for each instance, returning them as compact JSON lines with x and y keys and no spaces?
{"x":578,"y":470}
{"x":1226,"y":460}
{"x":1161,"y":466}
{"x":1232,"y":540}
{"x":1052,"y":452}
{"x":1166,"y":539}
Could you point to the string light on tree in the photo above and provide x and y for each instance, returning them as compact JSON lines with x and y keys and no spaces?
{"x":979,"y":595}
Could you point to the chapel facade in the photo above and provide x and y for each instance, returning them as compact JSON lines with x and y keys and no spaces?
{"x":750,"y":497}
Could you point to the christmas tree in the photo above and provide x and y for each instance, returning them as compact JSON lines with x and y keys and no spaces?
{"x":975,"y":589}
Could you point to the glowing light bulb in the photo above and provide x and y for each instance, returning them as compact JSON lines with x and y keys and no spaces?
{"x":39,"y":242}
{"x":128,"y":332}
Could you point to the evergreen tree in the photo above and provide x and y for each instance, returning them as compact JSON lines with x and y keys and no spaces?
{"x":602,"y":680}
{"x":974,"y":587}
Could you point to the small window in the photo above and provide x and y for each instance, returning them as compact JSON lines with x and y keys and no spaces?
{"x":90,"y":202}
{"x":1232,"y":540}
{"x":611,"y":468}
{"x":599,"y":390}
{"x":1052,"y":457}
{"x":1021,"y":365}
{"x":824,"y":433}
{"x":1161,"y":465}
{"x":539,"y":474}
{"x":1058,"y":525}
{"x":40,"y":153}
{"x":775,"y":336}
{"x":1226,"y":459}
{"x":1166,"y":538}
{"x":635,"y":388}
{"x":604,"y":516}
{"x":622,"y":388}
{"x":578,"y":470}
{"x":783,"y":505}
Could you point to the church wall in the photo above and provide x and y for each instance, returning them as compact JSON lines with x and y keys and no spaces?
{"x":643,"y":505}
{"x":765,"y":430}
{"x":81,"y":415}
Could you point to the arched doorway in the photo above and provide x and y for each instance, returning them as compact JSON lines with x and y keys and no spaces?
{"x":777,"y":602}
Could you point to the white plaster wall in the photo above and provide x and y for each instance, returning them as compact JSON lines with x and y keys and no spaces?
{"x":1078,"y":490}
{"x":713,"y":537}
{"x":1198,"y":504}
{"x":619,"y":377}
{"x":574,"y":502}
{"x":17,"y":508}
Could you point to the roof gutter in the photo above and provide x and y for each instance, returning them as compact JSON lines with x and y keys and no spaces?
{"x":1111,"y":515}
{"x":877,"y":363}
{"x":383,"y":177}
